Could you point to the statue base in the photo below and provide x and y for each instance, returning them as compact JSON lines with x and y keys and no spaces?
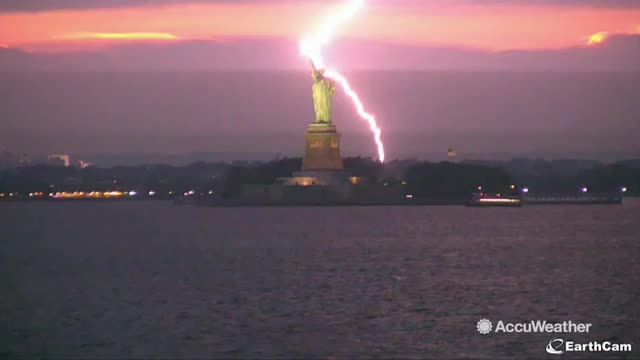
{"x":322,"y":150}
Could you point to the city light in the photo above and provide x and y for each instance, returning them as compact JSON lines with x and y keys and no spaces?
{"x":525,"y":190}
{"x":80,"y":195}
{"x":624,"y":189}
{"x":584,"y":190}
{"x":75,"y":195}
{"x":114,"y":194}
{"x":409,"y":196}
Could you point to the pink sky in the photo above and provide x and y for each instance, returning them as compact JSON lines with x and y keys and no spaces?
{"x":494,"y":27}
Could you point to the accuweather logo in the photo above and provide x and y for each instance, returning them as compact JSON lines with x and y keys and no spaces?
{"x":485,"y":327}
{"x":559,"y":346}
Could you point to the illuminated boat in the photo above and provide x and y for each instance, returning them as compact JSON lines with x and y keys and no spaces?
{"x":485,"y":200}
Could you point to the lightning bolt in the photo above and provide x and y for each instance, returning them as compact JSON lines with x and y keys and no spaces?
{"x":311,"y":48}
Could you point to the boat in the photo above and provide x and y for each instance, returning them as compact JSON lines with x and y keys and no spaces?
{"x":497,"y":200}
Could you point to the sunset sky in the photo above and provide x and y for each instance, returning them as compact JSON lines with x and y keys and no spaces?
{"x":68,"y":25}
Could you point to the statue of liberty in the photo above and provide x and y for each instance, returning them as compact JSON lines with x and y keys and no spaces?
{"x":323,"y":90}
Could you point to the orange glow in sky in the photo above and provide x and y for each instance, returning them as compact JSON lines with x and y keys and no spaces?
{"x":494,"y":27}
{"x":598,"y":38}
{"x":120,"y":36}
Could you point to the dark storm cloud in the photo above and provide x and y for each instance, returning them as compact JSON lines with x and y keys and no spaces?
{"x":620,"y":52}
{"x":42,"y":5}
{"x":144,"y":111}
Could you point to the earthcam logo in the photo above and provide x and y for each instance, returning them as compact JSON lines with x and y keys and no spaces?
{"x":555,"y":346}
{"x":559,"y":346}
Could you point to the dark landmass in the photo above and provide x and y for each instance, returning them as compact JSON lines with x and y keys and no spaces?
{"x":421,"y":180}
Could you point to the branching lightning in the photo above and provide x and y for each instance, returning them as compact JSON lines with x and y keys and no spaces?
{"x":312,"y":49}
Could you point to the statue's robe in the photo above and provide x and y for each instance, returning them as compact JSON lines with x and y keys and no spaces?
{"x":323,"y":90}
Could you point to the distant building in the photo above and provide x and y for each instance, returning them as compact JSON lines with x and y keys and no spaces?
{"x":59,"y":160}
{"x":84,"y":164}
{"x":9,"y":160}
{"x":25,"y":160}
{"x":240,"y":163}
{"x":451,"y":153}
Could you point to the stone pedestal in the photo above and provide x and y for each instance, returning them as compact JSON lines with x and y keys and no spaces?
{"x":322,"y":150}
